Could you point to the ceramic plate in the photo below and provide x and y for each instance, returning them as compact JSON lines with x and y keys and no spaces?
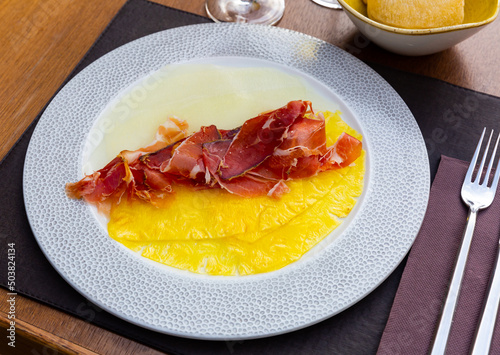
{"x":332,"y":276}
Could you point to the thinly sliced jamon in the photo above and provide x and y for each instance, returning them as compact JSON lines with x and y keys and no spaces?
{"x":252,"y":160}
{"x":187,"y":157}
{"x":156,"y":159}
{"x":258,"y":138}
{"x":298,"y":155}
{"x":246,"y":185}
{"x":148,"y":184}
{"x":229,"y":133}
{"x":307,"y":133}
{"x":127,"y":172}
{"x":101,"y":184}
{"x":213,"y":153}
{"x":343,"y":153}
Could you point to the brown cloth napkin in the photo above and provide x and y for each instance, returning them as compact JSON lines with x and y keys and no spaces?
{"x":416,"y":309}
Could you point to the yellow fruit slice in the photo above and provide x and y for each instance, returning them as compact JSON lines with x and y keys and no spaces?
{"x":217,"y":233}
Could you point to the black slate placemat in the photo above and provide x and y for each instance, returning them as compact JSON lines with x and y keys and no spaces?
{"x":450,"y":118}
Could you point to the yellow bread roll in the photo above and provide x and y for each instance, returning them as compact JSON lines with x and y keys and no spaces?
{"x":416,"y":13}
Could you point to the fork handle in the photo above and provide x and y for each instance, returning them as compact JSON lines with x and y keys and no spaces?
{"x":443,"y":331}
{"x":484,"y":334}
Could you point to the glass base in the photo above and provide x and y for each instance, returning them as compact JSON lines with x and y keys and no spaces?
{"x":263,"y":12}
{"x":332,"y":4}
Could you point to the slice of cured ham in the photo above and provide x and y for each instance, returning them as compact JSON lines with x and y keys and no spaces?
{"x":247,"y":185}
{"x":258,"y":138}
{"x":252,"y":160}
{"x":343,"y":153}
{"x":298,"y":156}
{"x":101,"y":184}
{"x":148,"y":184}
{"x":187,"y":158}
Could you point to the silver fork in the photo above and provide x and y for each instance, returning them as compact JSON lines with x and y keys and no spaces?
{"x":477,"y":195}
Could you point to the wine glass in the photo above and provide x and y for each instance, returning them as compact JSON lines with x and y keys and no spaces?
{"x":263,"y":12}
{"x":332,"y":4}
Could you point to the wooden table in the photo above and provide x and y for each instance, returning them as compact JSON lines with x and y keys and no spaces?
{"x":39,"y":50}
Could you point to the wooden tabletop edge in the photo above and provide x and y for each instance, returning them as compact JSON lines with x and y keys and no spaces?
{"x":41,"y":338}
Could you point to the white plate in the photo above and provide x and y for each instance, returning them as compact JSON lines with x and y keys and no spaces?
{"x":375,"y":240}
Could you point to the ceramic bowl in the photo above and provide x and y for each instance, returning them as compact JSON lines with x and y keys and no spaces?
{"x":416,"y":42}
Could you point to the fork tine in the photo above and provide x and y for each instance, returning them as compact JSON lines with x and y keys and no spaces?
{"x":483,"y":160}
{"x":490,"y":165}
{"x":494,"y":184}
{"x":470,"y":171}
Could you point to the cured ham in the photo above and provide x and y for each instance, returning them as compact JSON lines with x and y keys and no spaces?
{"x":148,"y":184}
{"x":101,"y":184}
{"x":298,"y":156}
{"x":343,"y":153}
{"x":248,"y":185}
{"x":258,"y":138}
{"x":252,"y":160}
{"x":187,"y":158}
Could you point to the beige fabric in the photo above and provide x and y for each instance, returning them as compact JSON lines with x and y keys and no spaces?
{"x":416,"y":13}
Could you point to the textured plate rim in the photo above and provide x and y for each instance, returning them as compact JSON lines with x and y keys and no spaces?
{"x":221,"y":326}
